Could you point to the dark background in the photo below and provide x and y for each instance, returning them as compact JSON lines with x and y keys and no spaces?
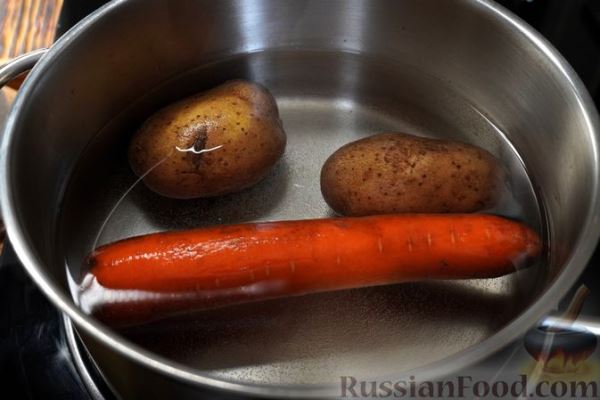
{"x":573,"y":27}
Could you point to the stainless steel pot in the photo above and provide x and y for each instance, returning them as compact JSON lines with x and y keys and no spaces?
{"x":339,"y":70}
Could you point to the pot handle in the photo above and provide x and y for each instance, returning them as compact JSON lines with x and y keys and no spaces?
{"x":18,"y":65}
{"x":590,"y":324}
{"x":8,"y":72}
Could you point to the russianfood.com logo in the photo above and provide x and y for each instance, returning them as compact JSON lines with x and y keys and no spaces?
{"x":466,"y":387}
{"x":562,"y":368}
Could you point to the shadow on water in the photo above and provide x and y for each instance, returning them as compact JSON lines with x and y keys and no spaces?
{"x":371,"y":319}
{"x":248,"y":205}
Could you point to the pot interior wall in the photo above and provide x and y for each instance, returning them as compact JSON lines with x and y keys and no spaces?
{"x":339,"y":70}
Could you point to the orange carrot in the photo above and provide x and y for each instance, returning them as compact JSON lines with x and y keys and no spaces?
{"x":260,"y":261}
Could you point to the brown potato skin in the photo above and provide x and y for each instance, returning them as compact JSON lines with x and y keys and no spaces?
{"x":400,"y":173}
{"x":240,"y":116}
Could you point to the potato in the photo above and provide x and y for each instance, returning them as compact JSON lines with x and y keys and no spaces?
{"x":209,"y":144}
{"x":401,"y":173}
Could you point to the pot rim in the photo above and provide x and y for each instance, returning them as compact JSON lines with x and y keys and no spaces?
{"x":590,"y":233}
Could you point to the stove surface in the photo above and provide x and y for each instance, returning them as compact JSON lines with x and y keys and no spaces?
{"x":35,"y":359}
